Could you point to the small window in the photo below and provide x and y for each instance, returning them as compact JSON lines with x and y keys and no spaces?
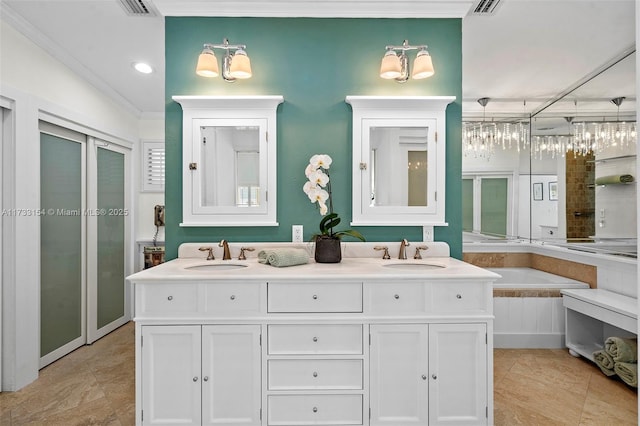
{"x":153,"y":163}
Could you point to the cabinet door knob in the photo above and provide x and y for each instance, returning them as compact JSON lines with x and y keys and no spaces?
{"x":396,"y":296}
{"x":458,"y":296}
{"x":424,"y":377}
{"x":170,"y":298}
{"x":233,"y":297}
{"x":433,"y":376}
{"x":315,"y":297}
{"x":205,"y":378}
{"x":315,"y":339}
{"x":315,"y":374}
{"x":315,"y":409}
{"x":195,"y":379}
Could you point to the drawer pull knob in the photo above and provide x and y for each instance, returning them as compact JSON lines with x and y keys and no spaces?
{"x":397,"y":296}
{"x":315,"y":409}
{"x":433,"y":376}
{"x":170,"y":298}
{"x":195,"y":379}
{"x":424,"y":377}
{"x":315,"y":374}
{"x":458,"y":296}
{"x":233,"y":297}
{"x":205,"y":378}
{"x":315,"y":297}
{"x":315,"y":339}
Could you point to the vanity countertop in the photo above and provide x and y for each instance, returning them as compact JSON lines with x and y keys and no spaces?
{"x":370,"y":269}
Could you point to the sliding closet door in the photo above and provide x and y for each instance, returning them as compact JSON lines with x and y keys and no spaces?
{"x":62,"y":246}
{"x":108,"y":239}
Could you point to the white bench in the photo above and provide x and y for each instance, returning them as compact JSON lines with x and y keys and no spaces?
{"x":592,"y":315}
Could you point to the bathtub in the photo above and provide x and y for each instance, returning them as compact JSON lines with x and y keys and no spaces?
{"x":528,"y":310}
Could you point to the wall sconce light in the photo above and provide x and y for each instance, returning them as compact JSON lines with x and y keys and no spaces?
{"x":235,"y":64}
{"x":395,"y":63}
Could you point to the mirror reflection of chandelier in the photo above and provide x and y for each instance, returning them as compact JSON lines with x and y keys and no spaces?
{"x":481,"y":139}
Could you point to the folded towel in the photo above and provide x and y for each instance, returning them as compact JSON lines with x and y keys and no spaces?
{"x":628,"y":372}
{"x":283,"y":257}
{"x":605,"y":362}
{"x":614,"y":179}
{"x":622,"y":350}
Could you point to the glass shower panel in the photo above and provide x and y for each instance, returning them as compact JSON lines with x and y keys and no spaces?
{"x":61,"y":245}
{"x":467,"y":205}
{"x":111,"y":238}
{"x":493,"y":206}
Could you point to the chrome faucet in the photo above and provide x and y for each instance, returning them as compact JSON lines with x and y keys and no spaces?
{"x":210,"y":255}
{"x":403,"y":249}
{"x":226,"y":255}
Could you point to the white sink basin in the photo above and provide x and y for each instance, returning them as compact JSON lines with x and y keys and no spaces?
{"x":413,"y":266}
{"x":216,"y":267}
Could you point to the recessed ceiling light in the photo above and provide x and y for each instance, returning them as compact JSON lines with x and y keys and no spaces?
{"x":142,"y":67}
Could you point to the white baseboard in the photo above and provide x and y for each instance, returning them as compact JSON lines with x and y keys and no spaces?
{"x":528,"y":341}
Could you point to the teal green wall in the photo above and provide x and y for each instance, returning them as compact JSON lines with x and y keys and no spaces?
{"x":314,"y":64}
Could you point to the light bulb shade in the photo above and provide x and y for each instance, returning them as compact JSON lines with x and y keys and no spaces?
{"x":422,"y":66}
{"x":240,"y":66}
{"x":391,"y":67}
{"x":207,"y":64}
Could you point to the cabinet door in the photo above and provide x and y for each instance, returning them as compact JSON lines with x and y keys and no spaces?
{"x":457,"y":374}
{"x":171,"y":389}
{"x":398,"y":374}
{"x":231,"y":375}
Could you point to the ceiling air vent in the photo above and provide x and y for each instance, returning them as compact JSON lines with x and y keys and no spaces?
{"x":485,"y":7}
{"x":137,"y":8}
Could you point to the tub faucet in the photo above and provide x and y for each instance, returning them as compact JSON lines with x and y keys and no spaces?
{"x":226,"y":255}
{"x":403,"y":249}
{"x":210,"y":250}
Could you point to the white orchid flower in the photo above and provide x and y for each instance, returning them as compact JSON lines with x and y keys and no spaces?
{"x":323,"y":207}
{"x":309,"y":186}
{"x":319,"y":178}
{"x":310,"y":169}
{"x":318,"y":195}
{"x":320,"y":160}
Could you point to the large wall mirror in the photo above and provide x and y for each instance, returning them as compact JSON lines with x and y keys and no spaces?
{"x":565,"y":174}
{"x":229,"y":156}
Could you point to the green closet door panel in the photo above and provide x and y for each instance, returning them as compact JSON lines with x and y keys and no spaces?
{"x":467,"y":205}
{"x":60,"y":242}
{"x":493,"y":206}
{"x":111,"y":239}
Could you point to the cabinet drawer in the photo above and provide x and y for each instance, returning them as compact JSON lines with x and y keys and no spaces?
{"x":314,"y":297}
{"x":459,"y":297}
{"x":163,"y":299}
{"x":309,"y":374}
{"x":315,"y":339}
{"x":314,"y":410}
{"x":399,"y":298}
{"x":230,"y":298}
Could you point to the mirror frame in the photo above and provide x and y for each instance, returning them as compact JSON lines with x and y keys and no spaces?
{"x":254,"y":111}
{"x":398,"y":111}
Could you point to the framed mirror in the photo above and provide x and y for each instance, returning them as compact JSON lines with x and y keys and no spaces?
{"x":229,"y":155}
{"x":399,"y":158}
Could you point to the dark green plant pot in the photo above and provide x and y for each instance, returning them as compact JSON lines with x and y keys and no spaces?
{"x":328,"y":249}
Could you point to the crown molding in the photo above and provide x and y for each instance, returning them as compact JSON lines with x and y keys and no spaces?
{"x":316,"y":9}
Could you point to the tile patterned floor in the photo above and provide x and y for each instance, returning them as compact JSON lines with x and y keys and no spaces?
{"x":94,"y":385}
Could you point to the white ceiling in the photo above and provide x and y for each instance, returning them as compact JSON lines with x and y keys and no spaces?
{"x":528,"y":50}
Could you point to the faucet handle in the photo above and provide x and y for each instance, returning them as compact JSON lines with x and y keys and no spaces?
{"x":210,"y":249}
{"x":242,"y":250}
{"x":417,"y":255}
{"x":385,"y":255}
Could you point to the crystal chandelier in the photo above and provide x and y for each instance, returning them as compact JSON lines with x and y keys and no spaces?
{"x":480,"y":139}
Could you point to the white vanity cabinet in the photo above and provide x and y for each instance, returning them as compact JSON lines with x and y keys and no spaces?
{"x":339,"y":351}
{"x":201,"y":375}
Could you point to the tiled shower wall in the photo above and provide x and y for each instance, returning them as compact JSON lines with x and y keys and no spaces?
{"x":580,"y":195}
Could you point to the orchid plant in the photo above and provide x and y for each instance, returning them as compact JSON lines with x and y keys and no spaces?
{"x":318,"y":189}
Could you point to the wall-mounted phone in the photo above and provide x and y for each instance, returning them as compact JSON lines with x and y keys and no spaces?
{"x":158,"y":217}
